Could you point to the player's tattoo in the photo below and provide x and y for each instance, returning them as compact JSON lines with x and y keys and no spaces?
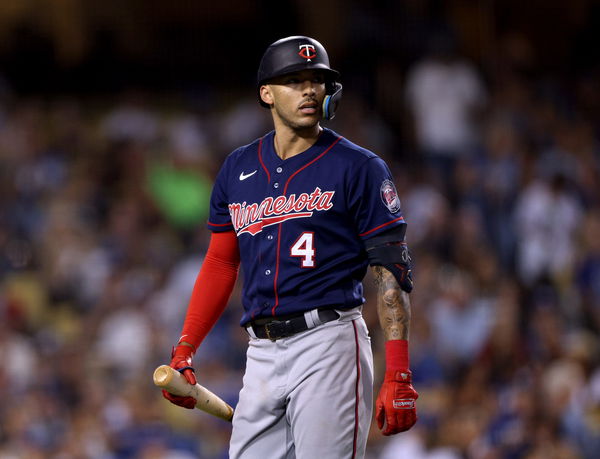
{"x":393,"y":305}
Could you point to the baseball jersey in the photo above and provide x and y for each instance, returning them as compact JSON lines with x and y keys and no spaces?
{"x":301,"y":222}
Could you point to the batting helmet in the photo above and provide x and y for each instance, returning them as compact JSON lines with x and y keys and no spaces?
{"x":296,"y":53}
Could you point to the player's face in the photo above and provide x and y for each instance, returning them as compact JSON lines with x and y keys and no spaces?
{"x":297,"y":98}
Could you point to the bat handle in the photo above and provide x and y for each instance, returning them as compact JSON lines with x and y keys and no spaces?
{"x":175,"y":383}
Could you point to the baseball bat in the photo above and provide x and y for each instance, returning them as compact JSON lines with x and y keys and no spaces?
{"x":174,"y":382}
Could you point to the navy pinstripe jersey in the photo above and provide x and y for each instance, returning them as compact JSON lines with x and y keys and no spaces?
{"x":301,"y":223}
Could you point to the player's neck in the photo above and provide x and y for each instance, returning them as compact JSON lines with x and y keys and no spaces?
{"x":291,"y":142}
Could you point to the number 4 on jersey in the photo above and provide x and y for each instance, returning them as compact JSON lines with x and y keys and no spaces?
{"x":303,"y":247}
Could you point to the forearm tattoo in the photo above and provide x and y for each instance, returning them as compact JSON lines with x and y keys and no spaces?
{"x":393,"y":305}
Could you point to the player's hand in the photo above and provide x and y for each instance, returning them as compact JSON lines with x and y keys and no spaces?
{"x":395,"y":407}
{"x":181,"y":360}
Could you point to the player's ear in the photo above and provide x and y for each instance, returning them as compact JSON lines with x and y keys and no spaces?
{"x":265,"y":94}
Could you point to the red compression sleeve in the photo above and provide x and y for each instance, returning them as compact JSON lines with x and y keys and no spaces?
{"x":396,"y":354}
{"x":212,"y":288}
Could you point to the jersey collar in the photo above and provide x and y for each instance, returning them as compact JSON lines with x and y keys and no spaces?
{"x":272,"y":160}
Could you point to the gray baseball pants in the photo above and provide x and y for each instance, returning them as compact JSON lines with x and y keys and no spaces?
{"x":308,"y":396}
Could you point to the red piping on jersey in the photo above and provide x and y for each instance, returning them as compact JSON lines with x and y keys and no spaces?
{"x":219,"y":224}
{"x":309,"y":163}
{"x":356,"y":391}
{"x":261,"y":160}
{"x":381,"y":226}
{"x":276,"y":271}
{"x":279,"y":232}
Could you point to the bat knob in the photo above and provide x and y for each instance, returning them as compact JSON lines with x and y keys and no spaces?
{"x":162,"y":376}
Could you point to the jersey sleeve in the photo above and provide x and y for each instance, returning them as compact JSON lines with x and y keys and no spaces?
{"x":373,"y":200}
{"x":219,"y":219}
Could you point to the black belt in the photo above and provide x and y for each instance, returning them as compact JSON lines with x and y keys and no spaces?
{"x":287,"y":326}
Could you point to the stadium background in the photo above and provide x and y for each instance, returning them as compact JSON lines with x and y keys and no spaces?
{"x":115,"y":117}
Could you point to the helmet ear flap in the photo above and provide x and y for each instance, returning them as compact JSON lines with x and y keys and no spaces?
{"x":332,"y":100}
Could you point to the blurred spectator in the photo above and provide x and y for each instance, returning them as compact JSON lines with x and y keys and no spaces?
{"x":547,"y":216}
{"x":461,"y":320}
{"x":18,"y":356}
{"x":132,"y":120}
{"x":501,"y":176}
{"x":444,"y":93}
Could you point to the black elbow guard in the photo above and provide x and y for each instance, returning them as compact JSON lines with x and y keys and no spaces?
{"x":390,"y":251}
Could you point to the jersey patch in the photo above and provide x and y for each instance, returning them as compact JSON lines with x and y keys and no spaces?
{"x":252,"y":218}
{"x":389,"y":196}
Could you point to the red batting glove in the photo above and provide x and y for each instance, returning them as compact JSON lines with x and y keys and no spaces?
{"x":396,"y":403}
{"x":181,"y":360}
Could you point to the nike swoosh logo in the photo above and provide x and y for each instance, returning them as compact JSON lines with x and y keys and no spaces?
{"x":245,"y":176}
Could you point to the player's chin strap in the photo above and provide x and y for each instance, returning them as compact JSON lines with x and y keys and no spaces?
{"x":331,"y":101}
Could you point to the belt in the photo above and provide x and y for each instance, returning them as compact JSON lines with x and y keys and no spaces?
{"x":287,"y":326}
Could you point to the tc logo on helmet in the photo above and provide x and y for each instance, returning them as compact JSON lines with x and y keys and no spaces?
{"x":307,"y":51}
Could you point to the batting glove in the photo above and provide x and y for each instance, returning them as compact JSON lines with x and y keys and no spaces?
{"x":395,"y":407}
{"x":181,"y":360}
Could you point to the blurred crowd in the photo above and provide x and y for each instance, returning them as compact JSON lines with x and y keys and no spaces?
{"x":103,"y":203}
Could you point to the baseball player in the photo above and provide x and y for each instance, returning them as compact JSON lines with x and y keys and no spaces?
{"x":305,"y":211}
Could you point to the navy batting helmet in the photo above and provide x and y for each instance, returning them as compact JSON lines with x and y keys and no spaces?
{"x":293,"y":54}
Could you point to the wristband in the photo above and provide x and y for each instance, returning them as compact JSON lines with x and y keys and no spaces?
{"x":396,"y":354}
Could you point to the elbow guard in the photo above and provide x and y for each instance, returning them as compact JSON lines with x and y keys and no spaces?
{"x":390,"y":251}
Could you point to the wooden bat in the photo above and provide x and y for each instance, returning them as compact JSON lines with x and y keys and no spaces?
{"x":174,"y":382}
